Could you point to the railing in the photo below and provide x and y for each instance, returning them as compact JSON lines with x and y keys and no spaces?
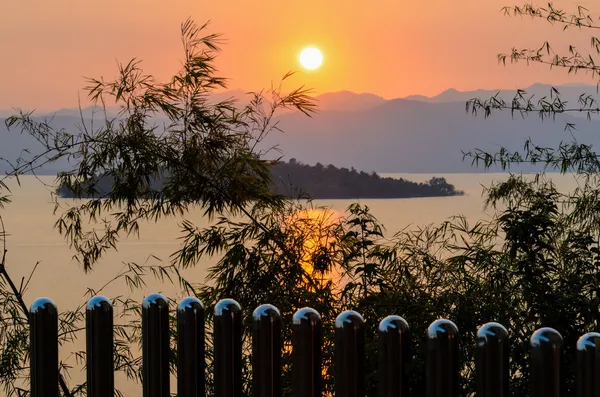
{"x":442,"y":373}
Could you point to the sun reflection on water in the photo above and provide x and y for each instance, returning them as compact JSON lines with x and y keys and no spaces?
{"x":316,"y":227}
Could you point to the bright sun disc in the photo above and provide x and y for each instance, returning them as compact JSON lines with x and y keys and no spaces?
{"x":311,"y":58}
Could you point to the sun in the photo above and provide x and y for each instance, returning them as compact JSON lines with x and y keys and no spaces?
{"x":311,"y":58}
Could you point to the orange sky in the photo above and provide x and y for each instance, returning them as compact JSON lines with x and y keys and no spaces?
{"x":388,"y":47}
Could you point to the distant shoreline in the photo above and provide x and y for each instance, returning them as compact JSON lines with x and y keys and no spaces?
{"x":295,"y":179}
{"x":386,"y":174}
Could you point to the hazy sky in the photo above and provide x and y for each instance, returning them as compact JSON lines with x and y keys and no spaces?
{"x":391,"y":48}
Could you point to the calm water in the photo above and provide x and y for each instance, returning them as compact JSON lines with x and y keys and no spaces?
{"x":29,"y":220}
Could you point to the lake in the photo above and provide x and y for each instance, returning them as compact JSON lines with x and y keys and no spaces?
{"x":29,"y":221}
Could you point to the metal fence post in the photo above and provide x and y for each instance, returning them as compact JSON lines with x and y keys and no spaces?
{"x":442,"y":371}
{"x":228,"y":348}
{"x":394,"y":338}
{"x":491,"y":362}
{"x":266,"y":351}
{"x":43,"y":339}
{"x":306,"y":353}
{"x":190,"y":348}
{"x":99,"y":348}
{"x":155,"y":346}
{"x":545,"y":361}
{"x":588,"y":365}
{"x":442,"y":365}
{"x":349,"y":355}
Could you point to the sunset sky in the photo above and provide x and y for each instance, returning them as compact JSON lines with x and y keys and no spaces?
{"x":392,"y":48}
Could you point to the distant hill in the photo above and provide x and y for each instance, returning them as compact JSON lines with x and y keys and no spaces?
{"x":406,"y":136}
{"x":295,"y":179}
{"x":569,"y":93}
{"x":15,"y":145}
{"x":370,"y":133}
{"x":346,"y":101}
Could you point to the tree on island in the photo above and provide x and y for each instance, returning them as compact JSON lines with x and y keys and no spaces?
{"x":534,"y":263}
{"x":294,"y":179}
{"x":330,"y":182}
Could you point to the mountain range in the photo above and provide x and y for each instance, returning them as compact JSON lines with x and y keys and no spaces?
{"x":415,"y":134}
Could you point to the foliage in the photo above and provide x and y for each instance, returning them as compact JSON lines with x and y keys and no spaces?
{"x":208,"y":149}
{"x":569,"y":156}
{"x":533,"y":264}
{"x":464,"y":272}
{"x":551,"y":236}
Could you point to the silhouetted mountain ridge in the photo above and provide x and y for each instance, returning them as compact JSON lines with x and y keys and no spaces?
{"x":402,"y":135}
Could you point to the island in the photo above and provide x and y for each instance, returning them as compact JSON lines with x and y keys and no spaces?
{"x":295,"y":179}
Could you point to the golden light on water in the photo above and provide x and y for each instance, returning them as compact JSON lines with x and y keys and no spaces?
{"x":316,"y":228}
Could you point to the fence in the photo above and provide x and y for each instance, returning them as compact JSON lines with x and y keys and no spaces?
{"x":492,"y":362}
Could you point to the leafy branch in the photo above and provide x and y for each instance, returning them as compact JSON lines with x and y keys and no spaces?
{"x":569,"y":156}
{"x":582,"y":18}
